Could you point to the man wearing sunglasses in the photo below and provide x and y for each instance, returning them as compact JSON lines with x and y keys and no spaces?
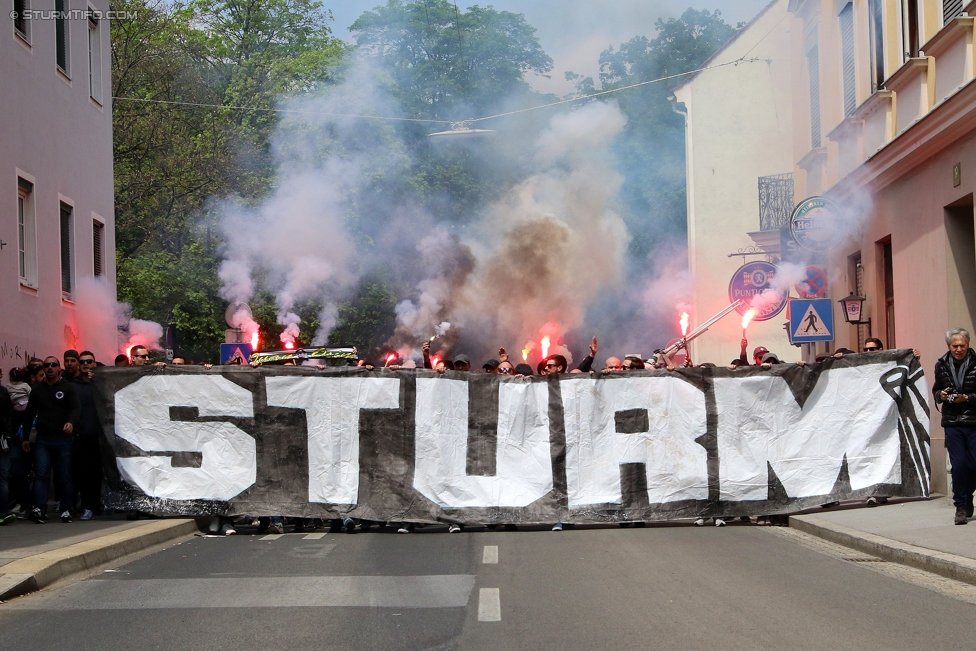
{"x":86,"y":454}
{"x":872,"y":344}
{"x":55,"y":404}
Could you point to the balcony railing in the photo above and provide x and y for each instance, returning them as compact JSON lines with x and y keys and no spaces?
{"x":775,"y":201}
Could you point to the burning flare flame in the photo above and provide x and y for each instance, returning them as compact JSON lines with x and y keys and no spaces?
{"x":390,"y":358}
{"x":545,"y":346}
{"x":525,"y":354}
{"x":747,"y":317}
{"x":254,"y":340}
{"x":684,"y":323}
{"x":290,"y":345}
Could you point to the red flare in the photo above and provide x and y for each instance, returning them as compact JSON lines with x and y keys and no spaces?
{"x":684,"y":323}
{"x":254,"y":340}
{"x":290,"y":345}
{"x":544,"y":344}
{"x":747,"y":317}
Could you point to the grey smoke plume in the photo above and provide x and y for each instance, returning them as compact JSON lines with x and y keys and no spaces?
{"x":560,"y":243}
{"x":447,"y":265}
{"x":539,"y":255}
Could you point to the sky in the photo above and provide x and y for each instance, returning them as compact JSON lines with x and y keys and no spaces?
{"x":575,"y":32}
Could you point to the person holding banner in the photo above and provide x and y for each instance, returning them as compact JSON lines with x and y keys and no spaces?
{"x":955,"y":389}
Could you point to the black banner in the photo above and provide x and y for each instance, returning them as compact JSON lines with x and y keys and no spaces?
{"x":418,"y":446}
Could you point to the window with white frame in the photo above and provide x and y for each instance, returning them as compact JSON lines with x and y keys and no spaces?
{"x":21,"y":21}
{"x":911,"y":28}
{"x":94,"y":58}
{"x":67,"y":275}
{"x":26,"y":248}
{"x":876,"y":25}
{"x":98,"y":248}
{"x":61,"y":35}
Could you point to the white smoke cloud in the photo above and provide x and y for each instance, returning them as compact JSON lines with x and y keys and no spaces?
{"x":328,"y":319}
{"x":104,"y":325}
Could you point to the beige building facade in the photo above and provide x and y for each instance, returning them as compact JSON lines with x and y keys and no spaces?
{"x":883,"y":121}
{"x":57,"y":231}
{"x":739,"y":160}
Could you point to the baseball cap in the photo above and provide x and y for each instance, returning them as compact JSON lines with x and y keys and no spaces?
{"x":770,"y":358}
{"x":462,"y":359}
{"x":492,"y":364}
{"x":760,"y":351}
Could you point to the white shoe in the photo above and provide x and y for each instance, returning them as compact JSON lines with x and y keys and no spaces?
{"x":558,"y":526}
{"x":228,"y":530}
{"x":214,"y":527}
{"x":87,"y":515}
{"x":700,"y":522}
{"x":719,"y":522}
{"x":403,"y":529}
{"x":454,"y":528}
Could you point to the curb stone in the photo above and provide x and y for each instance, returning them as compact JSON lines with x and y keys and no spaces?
{"x":951,"y":566}
{"x":36,"y":572}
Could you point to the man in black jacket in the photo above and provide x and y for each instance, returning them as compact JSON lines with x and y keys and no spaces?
{"x":955,"y":390}
{"x":55,"y":403}
{"x":86,"y":453}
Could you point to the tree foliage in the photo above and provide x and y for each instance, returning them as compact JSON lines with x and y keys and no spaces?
{"x":449,"y":64}
{"x":651,"y":150}
{"x":170,"y":159}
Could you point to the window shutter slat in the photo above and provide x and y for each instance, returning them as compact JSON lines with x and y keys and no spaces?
{"x":847,"y":51}
{"x":813,"y":63}
{"x":950,"y":9}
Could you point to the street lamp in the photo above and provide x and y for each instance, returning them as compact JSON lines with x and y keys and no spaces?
{"x":852,"y":309}
{"x":461,"y":130}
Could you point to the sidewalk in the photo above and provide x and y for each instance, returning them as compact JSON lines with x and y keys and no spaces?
{"x":33,"y":556}
{"x":920,"y":534}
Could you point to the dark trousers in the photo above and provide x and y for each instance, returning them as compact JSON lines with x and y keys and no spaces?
{"x":86,"y":471}
{"x":4,"y":477}
{"x":18,"y":479}
{"x":960,"y":442}
{"x":56,"y":455}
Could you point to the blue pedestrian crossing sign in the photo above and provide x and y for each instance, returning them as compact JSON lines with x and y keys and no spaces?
{"x":811,"y":320}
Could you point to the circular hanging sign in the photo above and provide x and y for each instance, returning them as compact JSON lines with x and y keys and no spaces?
{"x":755,"y":279}
{"x":817,"y":224}
{"x":813,"y":285}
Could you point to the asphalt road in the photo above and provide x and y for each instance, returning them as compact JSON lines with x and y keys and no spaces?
{"x":737,"y":587}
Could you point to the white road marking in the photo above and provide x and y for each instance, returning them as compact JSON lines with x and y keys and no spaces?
{"x":272,"y":536}
{"x":489,"y":605}
{"x":426,"y":591}
{"x":490,"y":556}
{"x":313,"y":536}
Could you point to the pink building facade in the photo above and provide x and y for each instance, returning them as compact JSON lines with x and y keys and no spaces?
{"x":57,"y":229}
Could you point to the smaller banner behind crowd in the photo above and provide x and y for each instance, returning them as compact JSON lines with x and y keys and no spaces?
{"x":419,"y":446}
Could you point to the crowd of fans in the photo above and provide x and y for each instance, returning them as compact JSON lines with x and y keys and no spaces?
{"x":49,"y":427}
